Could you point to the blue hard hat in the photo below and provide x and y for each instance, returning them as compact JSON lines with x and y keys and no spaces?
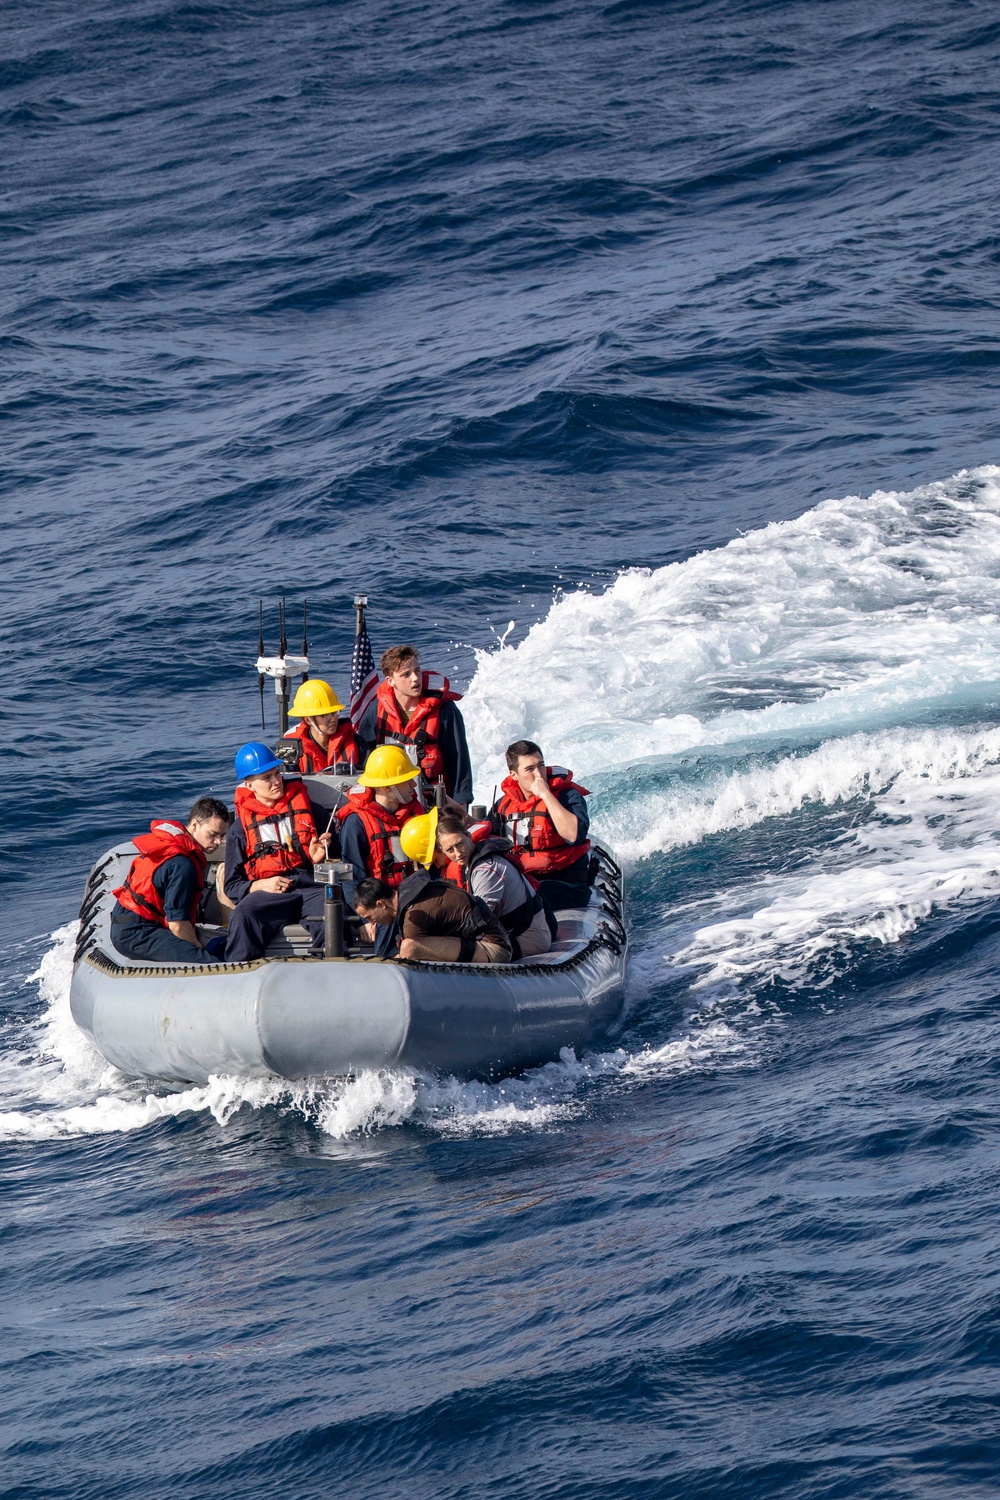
{"x":254,"y":759}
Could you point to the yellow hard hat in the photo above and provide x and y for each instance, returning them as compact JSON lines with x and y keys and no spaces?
{"x":419,"y":837}
{"x":313,"y":698}
{"x":388,"y":766}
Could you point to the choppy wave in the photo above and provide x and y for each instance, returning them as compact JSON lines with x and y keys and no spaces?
{"x":858,"y":612}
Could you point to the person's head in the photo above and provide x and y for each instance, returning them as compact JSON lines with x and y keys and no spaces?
{"x":452,"y":839}
{"x":401,"y":668}
{"x":525,"y":761}
{"x":258,"y":768}
{"x":324,"y":724}
{"x":208,"y":823}
{"x":318,"y":704}
{"x":375,"y":901}
{"x":390,"y":773}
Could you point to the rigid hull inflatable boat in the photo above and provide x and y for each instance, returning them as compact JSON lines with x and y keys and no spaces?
{"x":296,"y":1016}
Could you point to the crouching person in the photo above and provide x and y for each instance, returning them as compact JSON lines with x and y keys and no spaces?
{"x":270,"y":853}
{"x":483,"y":866}
{"x":156,"y":909}
{"x":431,"y":920}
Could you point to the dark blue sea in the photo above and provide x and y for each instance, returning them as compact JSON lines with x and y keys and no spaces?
{"x":641,"y":361}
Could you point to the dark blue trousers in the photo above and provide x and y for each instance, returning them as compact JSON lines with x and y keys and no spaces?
{"x":137,"y":938}
{"x":259,"y":918}
{"x":560,"y":894}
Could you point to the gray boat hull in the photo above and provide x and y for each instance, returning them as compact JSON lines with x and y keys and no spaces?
{"x":300,"y":1017}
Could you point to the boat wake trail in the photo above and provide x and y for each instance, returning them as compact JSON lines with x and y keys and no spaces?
{"x":791,"y":743}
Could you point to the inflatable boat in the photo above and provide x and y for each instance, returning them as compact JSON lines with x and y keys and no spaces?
{"x":298,"y":1016}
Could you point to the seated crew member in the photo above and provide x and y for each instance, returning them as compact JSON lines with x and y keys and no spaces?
{"x":156,"y":909}
{"x":482,"y":865}
{"x":434,"y":921}
{"x":326,"y":736}
{"x":374,"y":814}
{"x":417,"y":710}
{"x":271,"y":849}
{"x":542,"y":812}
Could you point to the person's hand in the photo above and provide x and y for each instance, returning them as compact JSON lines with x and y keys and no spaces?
{"x":276,"y":884}
{"x":539,"y":786}
{"x":319,"y":849}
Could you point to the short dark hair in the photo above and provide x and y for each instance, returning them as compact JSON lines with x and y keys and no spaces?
{"x":370,"y":891}
{"x":208,"y":807}
{"x":519,"y":748}
{"x":395,"y":657}
{"x":452,"y":822}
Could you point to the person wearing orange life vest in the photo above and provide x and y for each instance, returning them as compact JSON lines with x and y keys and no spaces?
{"x":542,"y":811}
{"x":156,"y":909}
{"x":326,"y":739}
{"x":374,"y":814}
{"x":483,"y":865}
{"x":270,"y":853}
{"x":417,"y":710}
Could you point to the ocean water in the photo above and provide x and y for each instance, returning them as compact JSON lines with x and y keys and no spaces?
{"x":641,"y":361}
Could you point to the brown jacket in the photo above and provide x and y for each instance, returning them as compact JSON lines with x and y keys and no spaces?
{"x":433,"y":908}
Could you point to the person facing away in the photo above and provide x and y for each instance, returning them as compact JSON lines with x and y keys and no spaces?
{"x":270,"y":852}
{"x":374,"y":814}
{"x":483,"y":865}
{"x":156,"y":909}
{"x":326,"y":737}
{"x":431,"y":920}
{"x":542,"y":811}
{"x":417,"y":710}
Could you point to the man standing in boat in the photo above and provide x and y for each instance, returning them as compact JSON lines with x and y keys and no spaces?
{"x":156,"y":909}
{"x":417,"y":711}
{"x":542,"y":811}
{"x":270,"y":853}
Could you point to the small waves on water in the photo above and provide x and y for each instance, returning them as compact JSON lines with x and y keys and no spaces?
{"x":791,"y":743}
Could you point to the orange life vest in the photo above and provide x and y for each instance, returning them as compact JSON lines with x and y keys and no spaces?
{"x":422,"y":730}
{"x":277,"y":837}
{"x":163,"y":841}
{"x":539,"y":848}
{"x":342,"y":749}
{"x":386,"y":860}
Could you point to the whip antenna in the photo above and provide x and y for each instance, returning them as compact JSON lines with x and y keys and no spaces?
{"x":305,"y":635}
{"x":282,"y":682}
{"x":260,"y":653}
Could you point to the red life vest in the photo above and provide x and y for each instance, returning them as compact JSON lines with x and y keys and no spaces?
{"x":163,"y":841}
{"x":422,"y":729}
{"x":342,"y":749}
{"x":277,"y":837}
{"x":539,"y":848}
{"x":386,"y":860}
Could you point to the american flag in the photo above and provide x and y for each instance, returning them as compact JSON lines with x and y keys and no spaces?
{"x":364,"y":678}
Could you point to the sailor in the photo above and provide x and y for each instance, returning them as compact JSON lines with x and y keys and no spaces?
{"x":431,"y":920}
{"x":374,"y":813}
{"x":156,"y":909}
{"x":542,"y":812}
{"x":482,"y":864}
{"x":417,"y":710}
{"x":271,"y":849}
{"x":326,"y":735}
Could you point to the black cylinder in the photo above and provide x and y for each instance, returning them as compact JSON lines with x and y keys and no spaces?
{"x":333,"y":923}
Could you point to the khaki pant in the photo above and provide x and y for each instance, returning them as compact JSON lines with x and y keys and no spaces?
{"x":489,"y":951}
{"x":536,"y":937}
